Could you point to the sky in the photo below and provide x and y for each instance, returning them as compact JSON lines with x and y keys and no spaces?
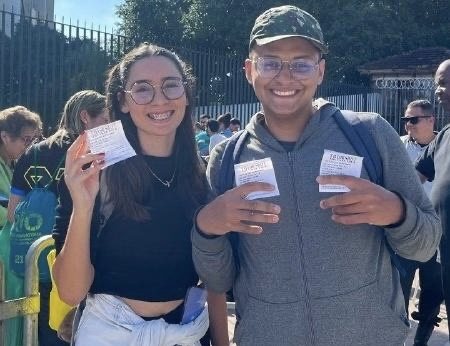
{"x":97,"y":12}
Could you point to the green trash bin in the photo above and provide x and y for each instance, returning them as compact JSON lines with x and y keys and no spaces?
{"x":14,"y":289}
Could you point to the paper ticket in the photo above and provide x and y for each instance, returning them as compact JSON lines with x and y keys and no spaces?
{"x":259,"y":171}
{"x":111,"y":140}
{"x":335,"y":163}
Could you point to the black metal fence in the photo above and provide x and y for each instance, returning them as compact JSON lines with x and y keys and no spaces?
{"x":43,"y":62}
{"x":388,"y":97}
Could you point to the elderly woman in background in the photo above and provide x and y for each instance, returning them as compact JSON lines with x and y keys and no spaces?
{"x":19,"y":127}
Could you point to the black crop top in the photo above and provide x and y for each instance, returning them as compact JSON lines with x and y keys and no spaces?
{"x":149,"y":260}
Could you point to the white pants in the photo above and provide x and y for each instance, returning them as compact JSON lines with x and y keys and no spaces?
{"x":107,"y":320}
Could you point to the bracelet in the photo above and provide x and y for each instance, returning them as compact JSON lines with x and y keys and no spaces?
{"x":198,"y":230}
{"x":403,"y":218}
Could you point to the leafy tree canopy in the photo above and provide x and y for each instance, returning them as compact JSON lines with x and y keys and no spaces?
{"x":357,"y":31}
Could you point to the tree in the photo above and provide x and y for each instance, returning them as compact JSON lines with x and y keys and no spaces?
{"x":356,"y":31}
{"x":152,"y":20}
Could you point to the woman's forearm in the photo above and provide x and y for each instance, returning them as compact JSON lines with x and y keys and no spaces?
{"x":73,"y":270}
{"x":218,"y":319}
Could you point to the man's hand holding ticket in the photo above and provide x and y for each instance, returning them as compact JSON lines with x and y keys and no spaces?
{"x":111,"y":140}
{"x":257,"y":171}
{"x":335,"y":163}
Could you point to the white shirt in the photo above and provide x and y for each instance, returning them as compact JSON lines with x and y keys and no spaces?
{"x":414,"y":150}
{"x":214,"y":140}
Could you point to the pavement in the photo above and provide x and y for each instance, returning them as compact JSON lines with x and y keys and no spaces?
{"x":440,"y":334}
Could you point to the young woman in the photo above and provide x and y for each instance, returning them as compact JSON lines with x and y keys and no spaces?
{"x":84,"y":110}
{"x":136,"y":271}
{"x":19,"y":127}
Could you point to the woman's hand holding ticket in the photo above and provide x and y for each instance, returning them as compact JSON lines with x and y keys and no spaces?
{"x":82,"y":181}
{"x":233,"y":212}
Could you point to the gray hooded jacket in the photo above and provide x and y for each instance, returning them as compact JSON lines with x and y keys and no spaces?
{"x":308,"y":280}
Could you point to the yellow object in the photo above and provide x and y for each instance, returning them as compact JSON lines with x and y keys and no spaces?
{"x":58,"y":309}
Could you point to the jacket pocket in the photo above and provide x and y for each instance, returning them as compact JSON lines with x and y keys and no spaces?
{"x":264,"y":323}
{"x":360,"y":317}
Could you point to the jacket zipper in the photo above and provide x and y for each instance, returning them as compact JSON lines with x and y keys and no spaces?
{"x":312,"y":336}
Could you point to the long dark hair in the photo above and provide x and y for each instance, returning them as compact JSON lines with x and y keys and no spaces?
{"x":128,"y":181}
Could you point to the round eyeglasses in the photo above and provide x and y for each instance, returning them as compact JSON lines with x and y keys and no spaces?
{"x":270,"y":67}
{"x":143,"y":92}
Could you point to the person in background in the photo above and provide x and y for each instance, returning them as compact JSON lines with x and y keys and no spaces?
{"x":84,"y":110}
{"x":212,"y":128}
{"x":434,"y":165}
{"x":309,"y":267}
{"x":202,"y":139}
{"x":204,"y":119}
{"x":224,"y":121}
{"x":19,"y":127}
{"x":136,"y":271}
{"x":419,"y":124}
{"x":235,"y":125}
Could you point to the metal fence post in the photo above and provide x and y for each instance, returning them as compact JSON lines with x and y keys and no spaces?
{"x":31,"y":289}
{"x":27,"y":306}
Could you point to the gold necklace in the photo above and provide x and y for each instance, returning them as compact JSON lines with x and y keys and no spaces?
{"x":166,"y":183}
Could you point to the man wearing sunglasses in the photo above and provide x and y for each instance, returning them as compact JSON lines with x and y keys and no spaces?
{"x":434,"y":165}
{"x":419,"y":124}
{"x":310,"y":268}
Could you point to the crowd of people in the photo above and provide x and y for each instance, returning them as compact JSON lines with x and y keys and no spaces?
{"x":210,"y":132}
{"x":306,"y":267}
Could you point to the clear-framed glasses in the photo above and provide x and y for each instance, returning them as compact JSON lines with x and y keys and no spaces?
{"x":270,"y":67}
{"x":143,"y":92}
{"x":28,"y":140}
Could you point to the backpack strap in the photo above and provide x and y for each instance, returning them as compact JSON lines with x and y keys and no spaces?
{"x":230,"y":157}
{"x":358,"y":136}
{"x":363,"y":143}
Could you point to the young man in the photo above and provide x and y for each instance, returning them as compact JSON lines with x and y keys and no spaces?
{"x":419,"y":125}
{"x":204,"y":120}
{"x":212,"y":129}
{"x":313,"y":267}
{"x":202,"y":139}
{"x":434,"y":165}
{"x":235,"y":125}
{"x":224,"y":122}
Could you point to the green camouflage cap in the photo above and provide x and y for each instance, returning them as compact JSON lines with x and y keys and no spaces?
{"x":287,"y":21}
